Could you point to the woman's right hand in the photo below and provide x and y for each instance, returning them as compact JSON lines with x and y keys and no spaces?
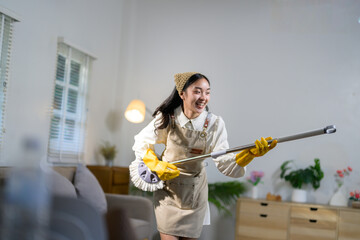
{"x":164,"y":170}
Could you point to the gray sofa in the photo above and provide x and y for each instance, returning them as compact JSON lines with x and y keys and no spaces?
{"x":139,"y":210}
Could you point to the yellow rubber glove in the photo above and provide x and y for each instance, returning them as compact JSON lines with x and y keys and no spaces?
{"x":164,"y":170}
{"x":243,"y":158}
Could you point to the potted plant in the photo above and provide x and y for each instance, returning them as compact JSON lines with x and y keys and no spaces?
{"x":225,"y":194}
{"x":297,"y":178}
{"x":254,"y":179}
{"x":108,"y":151}
{"x":339,"y":198}
{"x":355,"y":199}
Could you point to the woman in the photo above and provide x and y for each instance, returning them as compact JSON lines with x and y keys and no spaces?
{"x":182,"y":122}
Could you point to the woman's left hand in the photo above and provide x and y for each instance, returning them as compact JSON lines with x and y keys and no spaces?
{"x":262,"y":146}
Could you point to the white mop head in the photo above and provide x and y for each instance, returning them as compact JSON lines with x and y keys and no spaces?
{"x":141,"y":183}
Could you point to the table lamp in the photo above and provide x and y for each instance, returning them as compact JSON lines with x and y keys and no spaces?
{"x":135,"y":111}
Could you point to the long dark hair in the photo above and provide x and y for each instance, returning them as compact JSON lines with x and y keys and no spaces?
{"x":173,"y":101}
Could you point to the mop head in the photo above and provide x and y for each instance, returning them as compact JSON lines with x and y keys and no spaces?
{"x":143,"y":178}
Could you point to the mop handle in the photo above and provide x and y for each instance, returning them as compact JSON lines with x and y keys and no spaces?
{"x":327,"y":130}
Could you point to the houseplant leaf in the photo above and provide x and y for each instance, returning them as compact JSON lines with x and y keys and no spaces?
{"x":310,"y":175}
{"x":225,"y":194}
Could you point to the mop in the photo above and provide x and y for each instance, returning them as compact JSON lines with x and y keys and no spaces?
{"x":147,"y":180}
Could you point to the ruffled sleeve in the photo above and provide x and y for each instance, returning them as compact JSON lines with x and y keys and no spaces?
{"x":140,"y":174}
{"x":147,"y":138}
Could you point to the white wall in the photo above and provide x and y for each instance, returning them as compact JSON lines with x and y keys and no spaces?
{"x":276,"y":68}
{"x":91,"y":25}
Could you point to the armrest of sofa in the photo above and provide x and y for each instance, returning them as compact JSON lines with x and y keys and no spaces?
{"x":135,"y":206}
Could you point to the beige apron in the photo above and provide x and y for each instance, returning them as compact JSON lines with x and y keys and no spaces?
{"x":181,"y":205}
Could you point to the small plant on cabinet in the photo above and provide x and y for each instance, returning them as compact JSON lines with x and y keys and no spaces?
{"x":109,"y":152}
{"x":341,"y":174}
{"x":355,"y":195}
{"x":310,"y":175}
{"x":255,"y":177}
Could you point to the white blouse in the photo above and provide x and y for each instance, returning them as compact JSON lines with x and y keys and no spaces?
{"x":216,"y":140}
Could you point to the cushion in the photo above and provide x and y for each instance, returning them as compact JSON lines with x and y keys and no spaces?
{"x":59,"y":185}
{"x":88,"y":188}
{"x":68,"y":172}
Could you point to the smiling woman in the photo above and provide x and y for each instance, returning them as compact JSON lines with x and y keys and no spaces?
{"x":186,"y":127}
{"x":195,"y":98}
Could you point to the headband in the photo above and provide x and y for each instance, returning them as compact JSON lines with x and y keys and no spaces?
{"x":181,"y":79}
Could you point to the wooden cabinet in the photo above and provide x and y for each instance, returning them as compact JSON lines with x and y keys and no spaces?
{"x":112,"y":179}
{"x":261,"y":219}
{"x":258,"y":220}
{"x":349,"y":225}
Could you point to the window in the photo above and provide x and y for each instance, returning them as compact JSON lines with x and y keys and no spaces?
{"x":6,"y":28}
{"x":67,"y":127}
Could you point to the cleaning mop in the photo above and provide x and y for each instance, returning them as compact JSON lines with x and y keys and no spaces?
{"x":147,"y":180}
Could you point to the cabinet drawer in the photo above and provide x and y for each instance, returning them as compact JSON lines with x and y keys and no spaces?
{"x":269,"y":208}
{"x":349,"y":225}
{"x":120,"y":189}
{"x":312,"y":222}
{"x":314,"y":213}
{"x":261,"y":226}
{"x":301,"y":229}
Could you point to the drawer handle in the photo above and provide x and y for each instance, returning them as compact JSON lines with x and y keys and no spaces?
{"x":263,"y":215}
{"x":312,"y":220}
{"x":313,"y":209}
{"x":263,"y":204}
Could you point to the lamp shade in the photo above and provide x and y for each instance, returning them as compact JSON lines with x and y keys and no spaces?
{"x":135,"y":111}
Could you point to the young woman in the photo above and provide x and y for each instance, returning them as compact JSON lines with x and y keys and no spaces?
{"x":182,"y":122}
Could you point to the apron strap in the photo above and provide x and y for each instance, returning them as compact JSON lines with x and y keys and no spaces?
{"x":206,"y":124}
{"x":172,"y":121}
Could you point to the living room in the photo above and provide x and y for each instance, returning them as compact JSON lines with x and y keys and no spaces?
{"x":276,"y":68}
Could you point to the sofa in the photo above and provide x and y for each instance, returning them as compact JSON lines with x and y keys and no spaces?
{"x":125,"y":216}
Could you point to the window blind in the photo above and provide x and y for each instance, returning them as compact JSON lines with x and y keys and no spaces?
{"x":6,"y":33}
{"x":67,"y":126}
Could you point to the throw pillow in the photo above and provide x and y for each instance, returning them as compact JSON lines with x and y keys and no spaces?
{"x":89,"y":189}
{"x":58,"y":185}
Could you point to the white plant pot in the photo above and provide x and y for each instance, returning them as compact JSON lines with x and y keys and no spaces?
{"x":254,"y":192}
{"x":298,"y":195}
{"x":109,"y":163}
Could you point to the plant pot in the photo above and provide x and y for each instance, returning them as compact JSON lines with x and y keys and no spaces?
{"x":109,"y":162}
{"x":254,"y":192}
{"x":298,"y":195}
{"x":355,"y":204}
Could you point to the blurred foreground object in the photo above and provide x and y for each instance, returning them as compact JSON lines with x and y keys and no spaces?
{"x":25,"y":205}
{"x":75,"y":219}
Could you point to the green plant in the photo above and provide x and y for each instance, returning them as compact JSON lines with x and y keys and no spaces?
{"x":224,"y":194}
{"x":108,"y":151}
{"x":310,"y":175}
